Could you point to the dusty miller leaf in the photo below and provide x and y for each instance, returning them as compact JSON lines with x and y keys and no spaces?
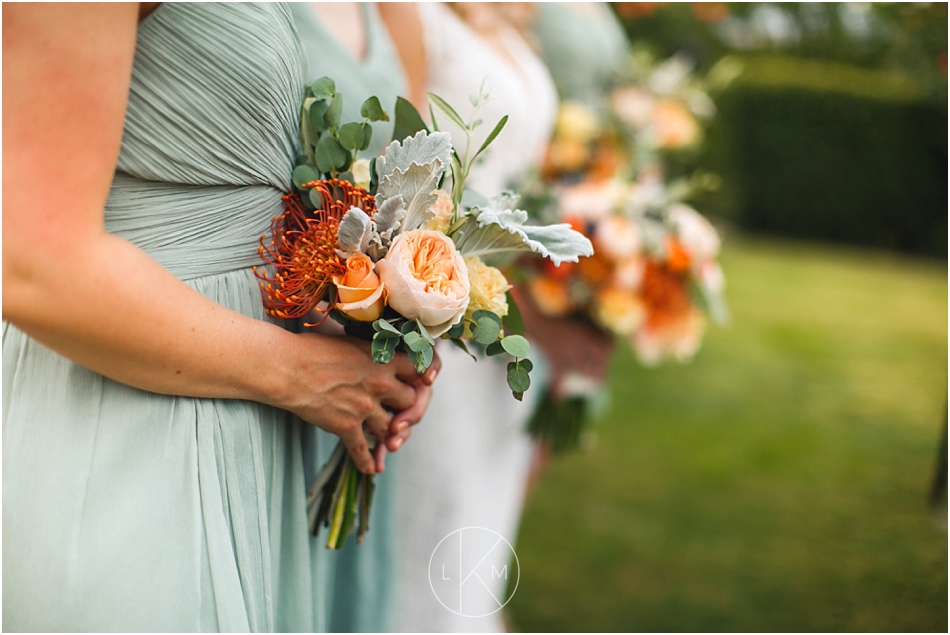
{"x":356,"y":231}
{"x":488,"y":232}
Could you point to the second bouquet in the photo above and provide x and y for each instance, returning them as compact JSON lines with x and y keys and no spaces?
{"x":388,"y":248}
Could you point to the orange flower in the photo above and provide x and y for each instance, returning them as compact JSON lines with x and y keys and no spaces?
{"x":674,"y":124}
{"x":677,"y":259}
{"x":550,"y":295}
{"x":360,"y":294}
{"x":594,"y":269}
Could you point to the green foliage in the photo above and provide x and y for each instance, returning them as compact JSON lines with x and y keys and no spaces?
{"x":832,"y":153}
{"x":777,"y":483}
{"x":408,"y":121}
{"x":486,"y":327}
{"x":373,"y":110}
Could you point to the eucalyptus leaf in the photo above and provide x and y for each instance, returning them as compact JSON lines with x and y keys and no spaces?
{"x":373,"y":110}
{"x":494,"y":348}
{"x":518,"y":379}
{"x":407,"y":327}
{"x":408,"y":122}
{"x":516,"y":346}
{"x":367,"y":135}
{"x":416,"y":342}
{"x":304,"y":174}
{"x":456,"y":331}
{"x":317,"y":111}
{"x":351,"y":136}
{"x":330,"y":155}
{"x":526,"y":364}
{"x":425,"y":332}
{"x":383,"y":349}
{"x":421,"y":360}
{"x":384,"y":325}
{"x":332,"y":116}
{"x":482,"y":314}
{"x":323,"y":87}
{"x":486,"y":331}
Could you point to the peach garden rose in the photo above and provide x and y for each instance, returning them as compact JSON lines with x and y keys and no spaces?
{"x":427,"y":279}
{"x":360,"y":293}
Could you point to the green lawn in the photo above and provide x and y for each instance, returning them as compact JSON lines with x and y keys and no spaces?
{"x":777,"y":483}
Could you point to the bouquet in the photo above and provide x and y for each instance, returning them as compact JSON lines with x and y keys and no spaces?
{"x":399,"y":252}
{"x":653,"y":278}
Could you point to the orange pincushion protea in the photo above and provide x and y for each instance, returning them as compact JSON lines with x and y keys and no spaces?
{"x":303,"y":249}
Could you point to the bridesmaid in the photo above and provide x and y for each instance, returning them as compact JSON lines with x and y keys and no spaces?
{"x":467,"y":466}
{"x":152,"y":469}
{"x":584,"y":46}
{"x":349,"y":42}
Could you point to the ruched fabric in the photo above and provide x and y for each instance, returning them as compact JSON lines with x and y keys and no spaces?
{"x":125,"y":510}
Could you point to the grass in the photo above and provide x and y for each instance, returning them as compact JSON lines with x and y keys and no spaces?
{"x":777,"y":483}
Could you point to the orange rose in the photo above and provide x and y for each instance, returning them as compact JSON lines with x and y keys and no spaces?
{"x":359,"y":291}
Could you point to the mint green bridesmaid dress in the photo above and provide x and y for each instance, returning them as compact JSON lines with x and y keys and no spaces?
{"x":125,"y":510}
{"x":584,"y":48}
{"x":362,"y":596}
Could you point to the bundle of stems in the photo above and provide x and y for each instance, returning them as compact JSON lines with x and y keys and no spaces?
{"x":340,"y":498}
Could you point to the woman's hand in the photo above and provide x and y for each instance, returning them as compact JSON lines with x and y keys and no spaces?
{"x":333,"y":383}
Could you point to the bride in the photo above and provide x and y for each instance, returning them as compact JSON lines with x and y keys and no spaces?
{"x":468,"y":467}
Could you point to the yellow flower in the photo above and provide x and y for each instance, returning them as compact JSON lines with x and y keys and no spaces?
{"x":488,"y":288}
{"x":576,"y":122}
{"x":618,"y":311}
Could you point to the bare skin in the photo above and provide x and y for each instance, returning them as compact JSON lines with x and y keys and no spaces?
{"x":82,"y":291}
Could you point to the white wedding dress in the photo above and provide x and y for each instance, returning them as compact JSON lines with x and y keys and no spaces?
{"x":467,"y":462}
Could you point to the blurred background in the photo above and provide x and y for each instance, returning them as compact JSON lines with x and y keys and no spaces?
{"x":789,"y":478}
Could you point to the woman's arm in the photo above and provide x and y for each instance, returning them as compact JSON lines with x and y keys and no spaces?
{"x":103,"y":303}
{"x":405,"y":29}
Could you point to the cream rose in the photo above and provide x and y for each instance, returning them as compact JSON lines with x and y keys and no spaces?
{"x":360,"y":294}
{"x":426,"y":279}
{"x":442,"y":209}
{"x":361,"y":175}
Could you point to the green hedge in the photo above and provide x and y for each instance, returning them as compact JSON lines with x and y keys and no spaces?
{"x":829,"y":152}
